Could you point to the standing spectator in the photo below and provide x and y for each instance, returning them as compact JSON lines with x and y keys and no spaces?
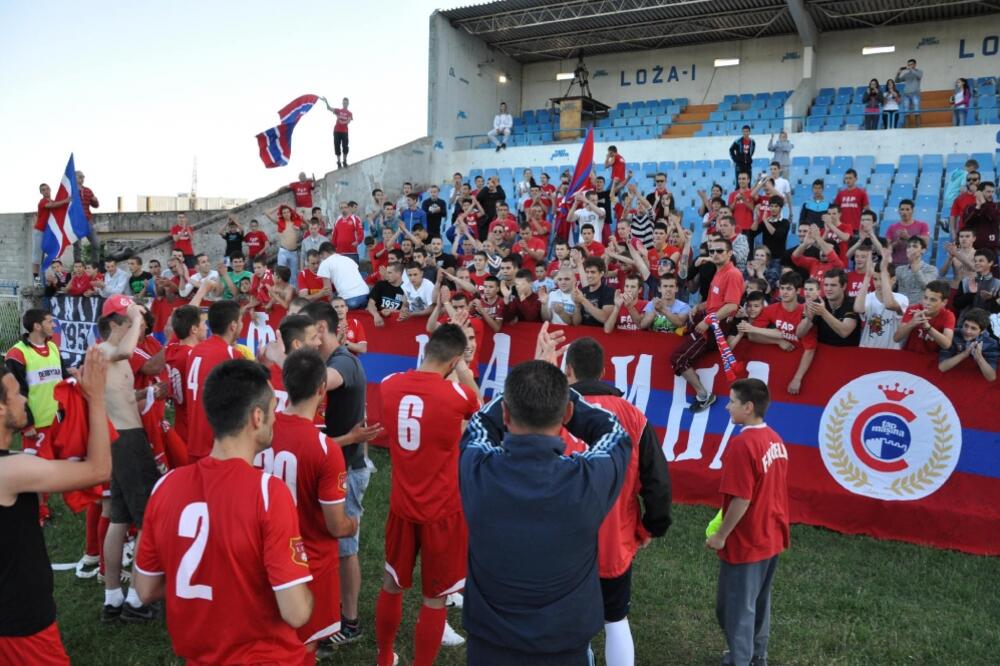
{"x":413,"y":214}
{"x":616,"y":163}
{"x":813,"y":210}
{"x":781,"y":185}
{"x":313,"y":240}
{"x":89,"y":200}
{"x":434,"y":208}
{"x":348,"y":233}
{"x":928,"y":326}
{"x":955,"y":184}
{"x":890,"y":105}
{"x":915,"y":275}
{"x":256,"y":240}
{"x":741,"y":153}
{"x":521,"y":192}
{"x":660,"y":188}
{"x":981,"y":290}
{"x":114,"y":281}
{"x":781,"y":151}
{"x":966,"y":197}
{"x":961,"y":100}
{"x":873,"y":105}
{"x":899,"y":233}
{"x":596,"y":301}
{"x":740,"y":244}
{"x":138,"y":279}
{"x":983,"y":217}
{"x":302,"y":190}
{"x":755,"y":525}
{"x":488,"y":198}
{"x":232,"y":234}
{"x":341,"y":276}
{"x":881,"y":309}
{"x":741,"y":202}
{"x":851,"y":201}
{"x":961,"y":258}
{"x":974,"y":342}
{"x":559,"y":306}
{"x":45,"y":204}
{"x":503,"y":124}
{"x":183,"y":235}
{"x":344,"y":118}
{"x":289,"y":226}
{"x":910,"y":76}
{"x":833,"y":315}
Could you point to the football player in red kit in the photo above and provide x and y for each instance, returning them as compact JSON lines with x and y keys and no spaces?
{"x":190,"y":328}
{"x":425,"y":509}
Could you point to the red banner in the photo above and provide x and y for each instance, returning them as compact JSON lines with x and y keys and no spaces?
{"x":880,"y":442}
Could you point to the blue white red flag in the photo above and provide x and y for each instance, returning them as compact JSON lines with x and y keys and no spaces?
{"x":275,"y":144}
{"x":584,"y":165}
{"x":66,"y":224}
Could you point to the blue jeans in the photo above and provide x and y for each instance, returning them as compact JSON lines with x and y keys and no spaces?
{"x":357,"y":483}
{"x":961,"y":115}
{"x":290,"y":258}
{"x":357,"y":302}
{"x":910,"y":103}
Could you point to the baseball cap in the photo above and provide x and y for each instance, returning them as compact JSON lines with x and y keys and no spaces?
{"x":117,"y":304}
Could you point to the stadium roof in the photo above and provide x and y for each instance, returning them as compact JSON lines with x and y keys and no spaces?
{"x":537,"y":30}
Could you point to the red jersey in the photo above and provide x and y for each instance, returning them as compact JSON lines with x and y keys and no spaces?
{"x":145,"y":349}
{"x":424,"y":423}
{"x":312,"y":466}
{"x":355,"y":331}
{"x":348,"y":233}
{"x":202,"y":358}
{"x":176,"y":357}
{"x":852,"y":202}
{"x":259,"y":289}
{"x":554,"y":267}
{"x":921,"y":341}
{"x":78,"y":285}
{"x":343,"y":117}
{"x":594,"y":248}
{"x":961,"y":202}
{"x":742,"y":216}
{"x":184,"y":235}
{"x":527,"y":261}
{"x":312,"y":283}
{"x":255,"y":240}
{"x":43,"y":214}
{"x":816,"y":267}
{"x":618,"y":168}
{"x":496,"y":309}
{"x":854,"y":282}
{"x":727,"y":287}
{"x":280,"y":394}
{"x":755,"y":468}
{"x":509,"y":225}
{"x":303,"y":193}
{"x":624,"y":319}
{"x":786,"y":322}
{"x":226,"y":537}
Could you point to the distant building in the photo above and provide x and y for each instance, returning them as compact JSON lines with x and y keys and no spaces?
{"x":155,"y":204}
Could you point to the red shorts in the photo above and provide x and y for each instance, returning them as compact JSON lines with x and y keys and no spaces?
{"x":42,"y":649}
{"x":443,"y":546}
{"x":325,"y":619}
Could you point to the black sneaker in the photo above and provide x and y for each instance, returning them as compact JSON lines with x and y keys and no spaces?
{"x":338,"y":164}
{"x":349,"y":633}
{"x":503,"y":145}
{"x":702,"y":405}
{"x":345,"y":161}
{"x":498,"y":147}
{"x":111,"y":613}
{"x":139,"y":615}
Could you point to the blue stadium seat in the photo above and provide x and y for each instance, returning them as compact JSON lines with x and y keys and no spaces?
{"x":885,"y":168}
{"x":955,"y":161}
{"x":667,"y":167}
{"x":985,"y":160}
{"x":824,"y":161}
{"x":909,"y":162}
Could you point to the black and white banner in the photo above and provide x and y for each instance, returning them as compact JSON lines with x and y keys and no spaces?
{"x":76,"y":324}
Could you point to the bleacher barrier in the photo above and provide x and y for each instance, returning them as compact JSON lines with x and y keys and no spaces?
{"x":879,"y":442}
{"x":10,"y":313}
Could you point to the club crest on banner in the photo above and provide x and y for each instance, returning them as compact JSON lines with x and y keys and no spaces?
{"x":891,"y":436}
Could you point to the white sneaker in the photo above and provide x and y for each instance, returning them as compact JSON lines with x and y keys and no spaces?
{"x":454,"y":600}
{"x":395,"y":659}
{"x":128,"y":552}
{"x":451,"y":638}
{"x":87,"y":566}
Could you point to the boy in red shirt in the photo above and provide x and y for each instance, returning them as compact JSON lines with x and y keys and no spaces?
{"x":183,"y":235}
{"x":828,"y":258}
{"x":929,"y":327}
{"x":616,"y":163}
{"x":256,"y":240}
{"x":593,"y":247}
{"x":531,"y":248}
{"x":741,"y":201}
{"x":79,"y":284}
{"x":852,"y":200}
{"x":302,"y":190}
{"x":348,"y":233}
{"x":350,"y":329}
{"x":755,"y":524}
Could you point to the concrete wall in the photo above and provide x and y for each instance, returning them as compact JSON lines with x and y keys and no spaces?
{"x":463,"y":91}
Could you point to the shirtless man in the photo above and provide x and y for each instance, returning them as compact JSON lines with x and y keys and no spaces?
{"x":960,"y":258}
{"x":289,"y":236}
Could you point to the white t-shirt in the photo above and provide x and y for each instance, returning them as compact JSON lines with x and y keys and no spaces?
{"x":880,"y":323}
{"x":419,"y":298}
{"x":343,"y":275}
{"x":584,"y":216}
{"x":784,"y":188}
{"x":503,"y":121}
{"x":558,"y":296}
{"x":195,"y":280}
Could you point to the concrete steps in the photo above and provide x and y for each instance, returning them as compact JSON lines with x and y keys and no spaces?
{"x":691,"y":117}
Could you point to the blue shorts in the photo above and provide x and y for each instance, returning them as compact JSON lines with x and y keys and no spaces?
{"x":357,"y":483}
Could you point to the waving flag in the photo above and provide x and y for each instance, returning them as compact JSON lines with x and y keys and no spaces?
{"x":275,"y":144}
{"x":66,"y":224}
{"x":584,"y":165}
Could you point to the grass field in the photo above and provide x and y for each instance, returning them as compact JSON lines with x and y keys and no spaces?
{"x":837,"y":600}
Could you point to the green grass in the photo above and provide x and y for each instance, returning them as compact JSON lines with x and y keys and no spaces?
{"x":837,"y":600}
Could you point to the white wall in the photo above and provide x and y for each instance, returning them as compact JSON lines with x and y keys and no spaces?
{"x":464,"y":93}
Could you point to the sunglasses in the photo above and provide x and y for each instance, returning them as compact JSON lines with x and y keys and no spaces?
{"x":972,"y":180}
{"x":660,"y":181}
{"x":717,"y":250}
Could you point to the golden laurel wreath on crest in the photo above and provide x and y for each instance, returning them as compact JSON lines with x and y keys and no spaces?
{"x":937,"y":462}
{"x":839,"y":460}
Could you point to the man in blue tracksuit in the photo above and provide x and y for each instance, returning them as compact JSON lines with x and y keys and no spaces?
{"x":532,"y":593}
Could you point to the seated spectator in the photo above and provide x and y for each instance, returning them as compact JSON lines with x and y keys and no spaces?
{"x":503,"y":124}
{"x":981,"y":290}
{"x":912,"y":277}
{"x":973,"y":342}
{"x":628,"y":307}
{"x":386,"y":299}
{"x":593,"y":247}
{"x":666,"y":313}
{"x":890,"y":105}
{"x":961,"y":100}
{"x":781,"y":151}
{"x":530,"y":248}
{"x":761,"y":266}
{"x":961,"y":257}
{"x":509,"y":266}
{"x":708,"y":199}
{"x":114,"y":281}
{"x":522,"y":302}
{"x":833,"y":315}
{"x":342,"y":277}
{"x":778,"y":323}
{"x":138,"y":279}
{"x":559,"y":306}
{"x":310,"y":284}
{"x":880,"y":307}
{"x":596,"y":299}
{"x":873,"y":104}
{"x":813,"y":210}
{"x":79,"y":283}
{"x":421,"y":257}
{"x":350,"y":330}
{"x":827,"y":261}
{"x":490,"y":306}
{"x":928,"y":326}
{"x":418,"y":290}
{"x":899,"y":233}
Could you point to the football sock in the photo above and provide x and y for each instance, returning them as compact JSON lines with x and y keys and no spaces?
{"x":133,"y":599}
{"x":427,"y":635}
{"x":102,"y":531}
{"x":388,"y":615}
{"x":618,"y":647}
{"x":114,"y":597}
{"x":93,"y":519}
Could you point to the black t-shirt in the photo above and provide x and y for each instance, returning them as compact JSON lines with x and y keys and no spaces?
{"x":345,"y":405}
{"x":603,"y":295}
{"x":137,"y":283}
{"x":234,"y":242}
{"x":828,"y":336}
{"x":434,"y":217}
{"x":604,"y":201}
{"x":446,"y":261}
{"x":775,"y":242}
{"x":384,"y":295}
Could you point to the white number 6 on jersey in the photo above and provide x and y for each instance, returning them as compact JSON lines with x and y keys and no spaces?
{"x":411,"y":408}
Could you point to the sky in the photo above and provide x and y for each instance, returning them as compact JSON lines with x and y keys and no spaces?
{"x":136,"y":92}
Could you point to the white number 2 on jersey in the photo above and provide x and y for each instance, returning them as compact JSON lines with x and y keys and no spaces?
{"x":411,"y":408}
{"x":192,"y":378}
{"x":193,"y":525}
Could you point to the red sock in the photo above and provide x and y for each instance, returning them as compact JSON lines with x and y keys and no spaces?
{"x":427,"y":636}
{"x":388,"y":616}
{"x":103,"y":524}
{"x":93,"y":520}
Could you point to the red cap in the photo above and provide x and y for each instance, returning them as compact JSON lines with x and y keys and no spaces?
{"x":117,"y":304}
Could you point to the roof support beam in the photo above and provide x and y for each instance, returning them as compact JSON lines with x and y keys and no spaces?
{"x":803,"y":22}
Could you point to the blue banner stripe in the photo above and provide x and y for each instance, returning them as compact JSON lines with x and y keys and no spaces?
{"x":798,"y":422}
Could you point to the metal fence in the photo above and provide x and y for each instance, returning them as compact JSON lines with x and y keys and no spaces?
{"x":10,"y":314}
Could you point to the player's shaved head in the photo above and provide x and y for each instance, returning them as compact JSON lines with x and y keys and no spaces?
{"x":586,"y":357}
{"x":304,"y":373}
{"x":447,"y":344}
{"x":233,"y":390}
{"x":536,"y":394}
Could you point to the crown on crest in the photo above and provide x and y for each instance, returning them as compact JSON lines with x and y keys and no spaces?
{"x":895,"y":392}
